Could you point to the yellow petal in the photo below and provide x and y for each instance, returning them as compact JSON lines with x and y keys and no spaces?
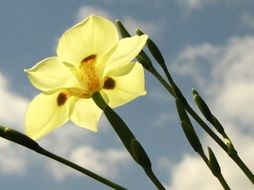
{"x":86,"y":114}
{"x":50,"y":74}
{"x":127,"y":49}
{"x":121,"y":70}
{"x":93,"y":36}
{"x":126,"y":87}
{"x":47,"y":112}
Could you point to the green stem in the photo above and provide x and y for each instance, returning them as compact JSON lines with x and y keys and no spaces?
{"x":223,"y":182}
{"x":154,"y":179}
{"x":189,"y":109}
{"x":23,"y":140}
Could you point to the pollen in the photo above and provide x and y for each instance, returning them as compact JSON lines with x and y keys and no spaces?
{"x":109,"y":84}
{"x":61,"y":98}
{"x":88,"y":75}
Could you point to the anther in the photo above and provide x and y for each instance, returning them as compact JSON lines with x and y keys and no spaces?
{"x":88,"y":60}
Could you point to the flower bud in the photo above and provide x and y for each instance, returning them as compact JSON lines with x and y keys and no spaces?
{"x":181,"y":111}
{"x":117,"y":123}
{"x":140,"y":155}
{"x":213,"y":163}
{"x":124,"y":33}
{"x":202,"y":106}
{"x":192,"y":136}
{"x":2,"y":131}
{"x":144,"y":60}
{"x":218,"y":125}
{"x":188,"y":128}
{"x":153,"y":49}
{"x":20,"y":138}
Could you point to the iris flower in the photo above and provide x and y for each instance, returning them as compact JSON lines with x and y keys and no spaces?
{"x":90,"y":58}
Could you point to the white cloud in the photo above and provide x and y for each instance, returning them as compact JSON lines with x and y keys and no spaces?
{"x":129,"y":22}
{"x":233,"y":78}
{"x":194,"y":4}
{"x":248,"y":20}
{"x":85,"y":11}
{"x":201,"y":177}
{"x":123,"y":1}
{"x":103,"y":162}
{"x":163,"y":163}
{"x":192,"y":174}
{"x":192,"y":53}
{"x":155,"y":94}
{"x":12,"y":109}
{"x":193,"y":61}
{"x":67,"y":140}
{"x":162,"y":119}
{"x":147,"y":27}
{"x":229,"y":85}
{"x":9,"y":163}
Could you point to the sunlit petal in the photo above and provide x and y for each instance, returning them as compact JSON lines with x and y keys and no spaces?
{"x":45,"y":114}
{"x":93,"y":36}
{"x":121,"y":70}
{"x":127,"y":87}
{"x":51,"y":74}
{"x":86,"y":114}
{"x":127,"y":49}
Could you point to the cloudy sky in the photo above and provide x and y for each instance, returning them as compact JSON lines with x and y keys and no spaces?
{"x":208,"y":45}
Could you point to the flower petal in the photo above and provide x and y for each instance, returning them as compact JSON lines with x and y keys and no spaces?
{"x":86,"y":114}
{"x":121,"y":70}
{"x":44,"y":114}
{"x":50,"y":74}
{"x":126,"y":87}
{"x":93,"y":36}
{"x":127,"y":49}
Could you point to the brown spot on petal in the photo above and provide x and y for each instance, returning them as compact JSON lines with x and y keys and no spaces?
{"x":61,"y":98}
{"x":89,"y":60}
{"x":109,"y":84}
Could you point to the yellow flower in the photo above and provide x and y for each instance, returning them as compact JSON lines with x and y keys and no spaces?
{"x":90,"y":58}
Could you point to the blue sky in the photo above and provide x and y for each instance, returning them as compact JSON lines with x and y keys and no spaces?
{"x":208,"y":45}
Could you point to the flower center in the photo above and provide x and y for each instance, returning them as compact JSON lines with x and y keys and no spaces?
{"x":89,"y":76}
{"x":90,"y":82}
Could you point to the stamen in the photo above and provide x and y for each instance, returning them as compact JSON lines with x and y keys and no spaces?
{"x":61,"y":98}
{"x":109,"y":84}
{"x":89,"y":60}
{"x":89,"y":76}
